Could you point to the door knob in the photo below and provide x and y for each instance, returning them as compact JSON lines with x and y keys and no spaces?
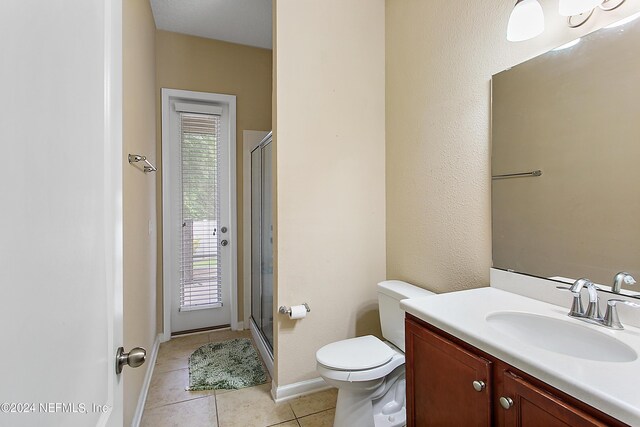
{"x":506,"y":402}
{"x":478,"y":385}
{"x":224,"y":242}
{"x":134,"y":358}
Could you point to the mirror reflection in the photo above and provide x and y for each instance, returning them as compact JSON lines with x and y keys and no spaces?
{"x":574,"y":115}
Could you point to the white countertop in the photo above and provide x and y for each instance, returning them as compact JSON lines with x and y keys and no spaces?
{"x":612,"y":387}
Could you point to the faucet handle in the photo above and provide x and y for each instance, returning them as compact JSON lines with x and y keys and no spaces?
{"x":611,"y":319}
{"x":577,"y":309}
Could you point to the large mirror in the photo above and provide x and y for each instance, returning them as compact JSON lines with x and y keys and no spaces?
{"x":574,"y":115}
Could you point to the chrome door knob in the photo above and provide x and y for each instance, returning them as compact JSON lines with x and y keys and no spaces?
{"x":224,"y":242}
{"x":134,"y":358}
{"x":479,"y":385}
{"x":506,"y":402}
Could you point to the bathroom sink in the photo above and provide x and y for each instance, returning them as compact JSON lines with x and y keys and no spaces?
{"x":561,"y":336}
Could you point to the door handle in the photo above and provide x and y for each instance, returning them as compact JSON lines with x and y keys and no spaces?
{"x":224,"y":242}
{"x":134,"y":358}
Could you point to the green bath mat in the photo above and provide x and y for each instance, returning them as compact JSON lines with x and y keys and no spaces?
{"x":229,"y":364}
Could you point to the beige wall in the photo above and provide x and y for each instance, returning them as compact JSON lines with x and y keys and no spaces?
{"x":198,"y":64}
{"x":440,"y":57}
{"x":329,"y":75}
{"x":139,"y":134}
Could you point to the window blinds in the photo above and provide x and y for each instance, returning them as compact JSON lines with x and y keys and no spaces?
{"x":200,"y":271}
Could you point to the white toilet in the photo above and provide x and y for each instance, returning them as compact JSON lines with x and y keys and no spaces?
{"x":368,"y":372}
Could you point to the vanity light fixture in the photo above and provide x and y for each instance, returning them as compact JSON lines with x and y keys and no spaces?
{"x":527,"y":20}
{"x":577,"y":7}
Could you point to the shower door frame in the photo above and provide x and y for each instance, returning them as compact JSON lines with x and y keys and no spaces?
{"x":252,"y":140}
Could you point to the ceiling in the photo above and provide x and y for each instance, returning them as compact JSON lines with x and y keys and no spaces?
{"x":245,"y":22}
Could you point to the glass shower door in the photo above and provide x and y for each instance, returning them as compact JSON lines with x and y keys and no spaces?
{"x":266,"y":234}
{"x":262,"y":241}
{"x":256,"y":225}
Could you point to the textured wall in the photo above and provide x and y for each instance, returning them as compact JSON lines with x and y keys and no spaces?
{"x":139,"y":135}
{"x":440,"y":57}
{"x":329,"y":75}
{"x":194,"y":63}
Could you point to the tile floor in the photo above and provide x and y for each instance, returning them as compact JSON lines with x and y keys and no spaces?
{"x":168,"y":404}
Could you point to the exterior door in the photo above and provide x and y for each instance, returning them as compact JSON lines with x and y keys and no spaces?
{"x":61,"y":216}
{"x":199,"y":215}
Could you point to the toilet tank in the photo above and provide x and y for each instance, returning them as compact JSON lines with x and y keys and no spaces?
{"x":390,"y":292}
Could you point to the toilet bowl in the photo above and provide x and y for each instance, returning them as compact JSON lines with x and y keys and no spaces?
{"x":368,"y":372}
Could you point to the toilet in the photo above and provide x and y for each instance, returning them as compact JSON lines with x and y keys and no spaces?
{"x":368,"y":372}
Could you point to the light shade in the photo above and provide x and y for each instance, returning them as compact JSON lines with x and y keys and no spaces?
{"x":576,"y":7}
{"x":526,"y":21}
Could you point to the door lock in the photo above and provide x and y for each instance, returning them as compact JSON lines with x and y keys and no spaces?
{"x":134,"y":358}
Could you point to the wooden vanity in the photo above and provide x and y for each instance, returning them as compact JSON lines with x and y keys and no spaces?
{"x":452,"y":383}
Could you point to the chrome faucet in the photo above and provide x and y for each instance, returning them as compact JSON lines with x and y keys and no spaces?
{"x":592,"y":315}
{"x":611,"y":319}
{"x":593,"y":309}
{"x":622,"y":278}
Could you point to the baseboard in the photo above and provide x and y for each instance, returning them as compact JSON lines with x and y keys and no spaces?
{"x":291,"y":391}
{"x":239,"y":326}
{"x":142,"y":398}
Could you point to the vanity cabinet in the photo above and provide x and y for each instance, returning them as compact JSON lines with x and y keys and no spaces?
{"x":532,"y":406}
{"x":451,"y":383}
{"x":440,"y":377}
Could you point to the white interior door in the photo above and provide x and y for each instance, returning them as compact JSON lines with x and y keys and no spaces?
{"x":61,"y":219}
{"x":199,"y":214}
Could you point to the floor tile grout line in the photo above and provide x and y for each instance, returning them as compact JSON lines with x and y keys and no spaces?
{"x":179,"y":401}
{"x":282,"y":422}
{"x":314,"y":413}
{"x":173,"y":370}
{"x":170,"y":370}
{"x":216,"y":403}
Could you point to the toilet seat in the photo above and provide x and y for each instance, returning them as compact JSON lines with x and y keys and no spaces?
{"x":355,"y":354}
{"x":377,"y":358}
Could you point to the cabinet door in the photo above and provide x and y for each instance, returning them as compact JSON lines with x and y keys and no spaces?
{"x":440,"y":376}
{"x":533,"y":407}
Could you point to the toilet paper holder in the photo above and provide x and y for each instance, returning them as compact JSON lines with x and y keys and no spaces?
{"x":287,"y":310}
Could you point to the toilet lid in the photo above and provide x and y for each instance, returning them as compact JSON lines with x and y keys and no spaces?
{"x":355,"y":354}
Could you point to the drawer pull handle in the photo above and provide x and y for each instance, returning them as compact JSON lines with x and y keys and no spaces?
{"x":479,"y":385}
{"x":506,"y":402}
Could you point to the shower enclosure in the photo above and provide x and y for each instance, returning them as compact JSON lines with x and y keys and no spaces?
{"x":262,"y":244}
